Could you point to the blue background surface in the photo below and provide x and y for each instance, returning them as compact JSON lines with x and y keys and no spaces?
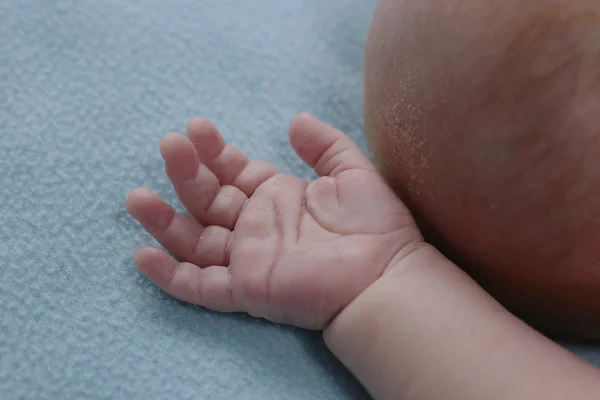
{"x":87,"y":89}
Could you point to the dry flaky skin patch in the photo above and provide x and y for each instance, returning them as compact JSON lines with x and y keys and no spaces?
{"x":402,"y":117}
{"x":486,"y":119}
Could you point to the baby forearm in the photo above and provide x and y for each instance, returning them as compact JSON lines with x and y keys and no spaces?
{"x":428,"y":331}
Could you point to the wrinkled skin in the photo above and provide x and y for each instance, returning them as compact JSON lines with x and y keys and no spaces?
{"x":269,"y":244}
{"x":485,"y":117}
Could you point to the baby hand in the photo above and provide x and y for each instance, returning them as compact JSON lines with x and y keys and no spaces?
{"x":270,"y":244}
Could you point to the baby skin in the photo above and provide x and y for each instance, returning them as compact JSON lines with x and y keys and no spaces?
{"x":341,"y":254}
{"x":485,"y":117}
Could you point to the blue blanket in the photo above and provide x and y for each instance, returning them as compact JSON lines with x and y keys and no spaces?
{"x":87,"y":89}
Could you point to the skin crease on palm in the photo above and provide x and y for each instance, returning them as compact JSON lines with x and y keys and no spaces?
{"x":266,"y":243}
{"x":485,"y":117}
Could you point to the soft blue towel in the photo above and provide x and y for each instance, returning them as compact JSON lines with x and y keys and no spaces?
{"x":87,"y":89}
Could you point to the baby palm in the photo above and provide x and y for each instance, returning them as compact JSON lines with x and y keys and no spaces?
{"x":270,"y":244}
